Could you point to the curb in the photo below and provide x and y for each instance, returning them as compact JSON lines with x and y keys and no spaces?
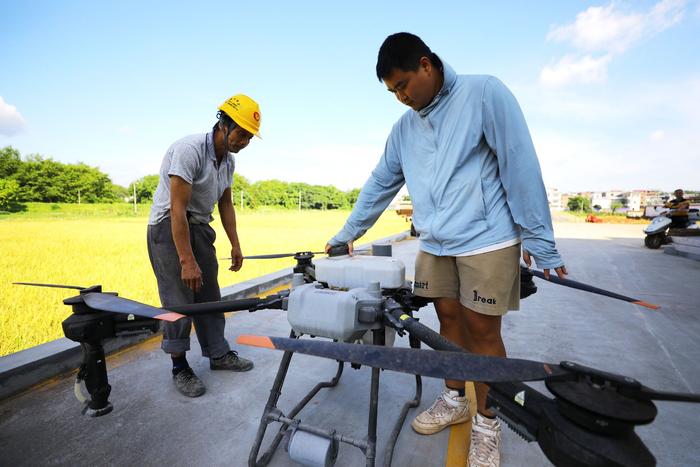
{"x":26,"y":368}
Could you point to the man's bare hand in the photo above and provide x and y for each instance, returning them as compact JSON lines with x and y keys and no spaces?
{"x":191,"y":275}
{"x":236,"y":259}
{"x":561,"y":270}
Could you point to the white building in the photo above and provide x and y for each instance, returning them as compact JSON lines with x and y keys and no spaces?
{"x":604,"y":200}
{"x":554,"y":199}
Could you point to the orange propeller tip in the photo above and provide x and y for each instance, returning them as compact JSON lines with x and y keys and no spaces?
{"x":648,"y":305}
{"x":255,"y":341}
{"x":169,"y":316}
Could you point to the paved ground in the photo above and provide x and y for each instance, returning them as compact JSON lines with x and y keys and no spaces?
{"x":153,"y":425}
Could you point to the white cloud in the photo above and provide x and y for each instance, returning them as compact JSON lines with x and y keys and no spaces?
{"x":125,"y":130}
{"x":576,"y":70}
{"x":606,"y":29}
{"x":657,"y":135}
{"x":11,"y":121}
{"x":609,"y":31}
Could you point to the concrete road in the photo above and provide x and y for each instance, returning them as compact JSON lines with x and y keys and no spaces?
{"x":153,"y":425}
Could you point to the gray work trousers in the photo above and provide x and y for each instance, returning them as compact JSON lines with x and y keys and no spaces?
{"x":166,"y":266}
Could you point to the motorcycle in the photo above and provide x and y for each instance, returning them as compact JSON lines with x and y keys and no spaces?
{"x":657,"y":231}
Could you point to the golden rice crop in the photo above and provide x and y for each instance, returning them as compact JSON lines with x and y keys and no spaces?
{"x":112,"y":252}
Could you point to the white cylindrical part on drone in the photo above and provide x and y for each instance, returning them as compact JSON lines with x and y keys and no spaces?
{"x":312,"y":450}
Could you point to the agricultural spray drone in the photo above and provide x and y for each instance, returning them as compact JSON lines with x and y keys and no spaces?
{"x":366,"y":299}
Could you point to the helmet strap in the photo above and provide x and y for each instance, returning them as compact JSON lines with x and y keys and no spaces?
{"x":227,"y":129}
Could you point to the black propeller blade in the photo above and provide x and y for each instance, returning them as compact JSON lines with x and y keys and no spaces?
{"x":112,"y":303}
{"x":107,"y":302}
{"x":652,"y":394}
{"x":589,"y":288}
{"x":462,"y":365}
{"x":334,"y":251}
{"x":57,"y":286}
{"x":277,"y":255}
{"x":451,"y":365}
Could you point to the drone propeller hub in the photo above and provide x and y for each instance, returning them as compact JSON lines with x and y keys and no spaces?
{"x":303,"y":256}
{"x":595,"y":400}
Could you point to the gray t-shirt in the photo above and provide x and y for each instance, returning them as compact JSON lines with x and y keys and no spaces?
{"x":193,"y":159}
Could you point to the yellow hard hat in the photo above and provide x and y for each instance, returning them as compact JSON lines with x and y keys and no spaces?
{"x":244,"y":111}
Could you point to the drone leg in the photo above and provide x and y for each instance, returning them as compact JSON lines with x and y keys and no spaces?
{"x":271,"y":405}
{"x":297,"y":408}
{"x":394,"y":436}
{"x":378,"y":338}
{"x":96,"y":379}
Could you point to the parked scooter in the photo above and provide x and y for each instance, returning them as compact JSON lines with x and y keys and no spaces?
{"x":657,"y":230}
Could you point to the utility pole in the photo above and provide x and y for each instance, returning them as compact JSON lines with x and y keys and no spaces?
{"x":78,"y":195}
{"x":134,"y":197}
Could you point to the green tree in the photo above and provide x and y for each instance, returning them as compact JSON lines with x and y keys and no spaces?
{"x":579,"y":203}
{"x":43,"y":179}
{"x":10,"y":161}
{"x":9,"y":194}
{"x":270,"y":193}
{"x":615,"y":205}
{"x":37,"y":179}
{"x":145,"y":188}
{"x":352,"y":196}
{"x":119,"y":193}
{"x":241,"y":185}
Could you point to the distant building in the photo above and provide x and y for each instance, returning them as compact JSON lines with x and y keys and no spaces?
{"x":633,"y":200}
{"x":601,"y":200}
{"x":649,"y":197}
{"x":554,"y":198}
{"x":624,"y":200}
{"x":565,"y":200}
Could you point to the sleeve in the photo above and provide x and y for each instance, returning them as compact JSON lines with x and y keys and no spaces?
{"x":184,"y":162}
{"x":381,"y":187}
{"x":508,"y":137}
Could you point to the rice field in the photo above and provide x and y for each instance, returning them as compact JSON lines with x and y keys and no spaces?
{"x":110,"y":249}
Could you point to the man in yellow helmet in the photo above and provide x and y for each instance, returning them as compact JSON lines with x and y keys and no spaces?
{"x":197,"y":173}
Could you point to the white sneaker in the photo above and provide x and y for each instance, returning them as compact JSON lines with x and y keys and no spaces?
{"x":484,"y":450}
{"x":448,"y":409}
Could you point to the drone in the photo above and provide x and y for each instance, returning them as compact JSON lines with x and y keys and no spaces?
{"x":352,"y":307}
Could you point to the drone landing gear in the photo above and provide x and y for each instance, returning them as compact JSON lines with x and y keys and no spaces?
{"x":318,"y":445}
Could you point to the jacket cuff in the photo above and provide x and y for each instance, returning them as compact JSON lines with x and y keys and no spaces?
{"x":544,"y":252}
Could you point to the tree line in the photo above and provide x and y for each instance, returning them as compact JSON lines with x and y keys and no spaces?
{"x":277,"y":193}
{"x":36,"y":178}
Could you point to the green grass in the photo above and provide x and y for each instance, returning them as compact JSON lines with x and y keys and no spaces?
{"x":104,"y":244}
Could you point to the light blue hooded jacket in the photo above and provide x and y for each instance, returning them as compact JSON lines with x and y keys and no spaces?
{"x":471,"y":171}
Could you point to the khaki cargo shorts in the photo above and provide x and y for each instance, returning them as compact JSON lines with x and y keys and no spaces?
{"x":488,"y":283}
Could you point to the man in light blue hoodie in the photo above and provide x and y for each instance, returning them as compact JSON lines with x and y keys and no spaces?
{"x":465,"y":153}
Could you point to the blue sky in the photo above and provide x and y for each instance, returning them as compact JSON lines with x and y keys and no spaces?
{"x":611,"y":91}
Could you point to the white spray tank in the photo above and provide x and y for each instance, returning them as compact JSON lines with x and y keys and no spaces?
{"x":349,"y":272}
{"x":343,"y":315}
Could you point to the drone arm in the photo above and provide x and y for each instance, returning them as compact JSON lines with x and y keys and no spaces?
{"x":519,"y":405}
{"x":415,"y":328}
